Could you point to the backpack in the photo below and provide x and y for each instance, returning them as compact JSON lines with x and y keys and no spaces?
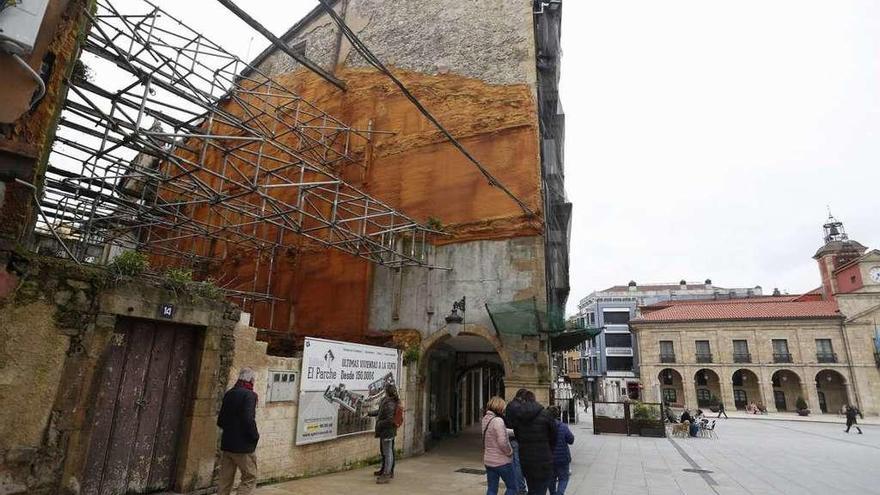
{"x":398,"y":415}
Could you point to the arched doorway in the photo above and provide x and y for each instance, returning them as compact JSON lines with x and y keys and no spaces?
{"x":831,"y":387}
{"x":460,"y":373}
{"x":708,"y":387}
{"x":787,"y":388}
{"x":746,"y":388}
{"x":671,"y":387}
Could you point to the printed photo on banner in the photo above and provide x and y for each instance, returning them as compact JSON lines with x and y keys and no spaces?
{"x":341,"y":383}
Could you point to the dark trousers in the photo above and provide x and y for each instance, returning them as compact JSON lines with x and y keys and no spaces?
{"x":538,"y":486}
{"x":724,"y":413}
{"x":850,"y":423}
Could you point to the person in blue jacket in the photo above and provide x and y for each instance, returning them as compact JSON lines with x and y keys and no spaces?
{"x":561,"y":454}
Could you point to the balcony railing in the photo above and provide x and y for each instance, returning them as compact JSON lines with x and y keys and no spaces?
{"x":779,"y":357}
{"x":667,"y":358}
{"x":704,"y":357}
{"x":742,"y":357}
{"x":826,"y":357}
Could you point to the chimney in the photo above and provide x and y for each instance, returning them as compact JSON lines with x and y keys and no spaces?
{"x":682,"y":284}
{"x":632,"y":286}
{"x":708,"y":283}
{"x":776,"y":292}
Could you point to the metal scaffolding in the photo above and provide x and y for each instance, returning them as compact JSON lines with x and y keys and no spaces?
{"x":174,"y":152}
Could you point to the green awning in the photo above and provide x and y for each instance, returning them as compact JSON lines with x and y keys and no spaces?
{"x":516,"y":317}
{"x":570,"y":339}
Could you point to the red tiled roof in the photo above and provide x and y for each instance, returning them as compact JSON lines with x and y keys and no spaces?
{"x":780,"y":308}
{"x":738,"y":300}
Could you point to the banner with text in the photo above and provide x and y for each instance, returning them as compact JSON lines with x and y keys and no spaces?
{"x":341,"y":384}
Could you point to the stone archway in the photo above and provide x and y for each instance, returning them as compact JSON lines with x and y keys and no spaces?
{"x":457,"y":376}
{"x":746,"y":388}
{"x":787,"y":388}
{"x":832,"y":391}
{"x":707,"y":385}
{"x":671,"y":387}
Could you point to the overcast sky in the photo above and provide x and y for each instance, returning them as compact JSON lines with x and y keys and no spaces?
{"x":703,"y":139}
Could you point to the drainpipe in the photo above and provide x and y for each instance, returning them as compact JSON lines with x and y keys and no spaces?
{"x":852,"y":375}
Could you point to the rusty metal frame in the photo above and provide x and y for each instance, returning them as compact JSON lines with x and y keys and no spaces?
{"x":173,"y":152}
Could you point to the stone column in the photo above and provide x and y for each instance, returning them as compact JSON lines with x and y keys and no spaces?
{"x":767,"y":392}
{"x":690,"y":389}
{"x":812,"y":395}
{"x":726,"y":384}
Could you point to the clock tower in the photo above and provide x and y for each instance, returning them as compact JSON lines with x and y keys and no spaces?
{"x":839,"y":250}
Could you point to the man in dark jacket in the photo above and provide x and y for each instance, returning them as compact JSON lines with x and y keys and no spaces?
{"x":535,"y":431}
{"x":386,"y":430}
{"x":237,"y":418}
{"x":851,"y":413}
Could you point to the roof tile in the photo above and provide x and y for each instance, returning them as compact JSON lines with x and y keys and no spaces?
{"x":781,"y":308}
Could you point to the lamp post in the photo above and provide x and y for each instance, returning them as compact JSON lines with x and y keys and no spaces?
{"x":455,"y":319}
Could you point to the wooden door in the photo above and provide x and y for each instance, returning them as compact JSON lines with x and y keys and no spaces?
{"x":139,"y":408}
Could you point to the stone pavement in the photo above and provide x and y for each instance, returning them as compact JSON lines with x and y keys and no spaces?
{"x":812,"y":418}
{"x":749,"y":457}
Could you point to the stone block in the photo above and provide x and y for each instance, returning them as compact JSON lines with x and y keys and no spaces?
{"x":62,"y":297}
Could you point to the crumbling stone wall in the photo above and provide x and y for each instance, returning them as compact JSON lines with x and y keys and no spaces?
{"x":57,"y":320}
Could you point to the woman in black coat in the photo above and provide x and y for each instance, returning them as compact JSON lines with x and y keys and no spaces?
{"x":535,"y":431}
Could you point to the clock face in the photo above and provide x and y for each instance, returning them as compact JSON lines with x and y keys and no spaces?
{"x":875,"y":274}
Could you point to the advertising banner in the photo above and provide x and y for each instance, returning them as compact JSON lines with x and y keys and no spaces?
{"x":340,"y":384}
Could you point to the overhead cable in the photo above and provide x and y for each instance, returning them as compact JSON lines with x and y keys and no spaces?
{"x":375,"y":62}
{"x":235,"y":9}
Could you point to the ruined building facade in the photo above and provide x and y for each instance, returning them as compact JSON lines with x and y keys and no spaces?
{"x":83,"y":401}
{"x":489,"y":71}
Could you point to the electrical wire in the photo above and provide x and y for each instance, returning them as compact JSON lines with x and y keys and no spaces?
{"x":36,"y":77}
{"x":375,"y":62}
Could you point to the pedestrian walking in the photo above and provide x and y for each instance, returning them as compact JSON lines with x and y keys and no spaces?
{"x":721,"y":410}
{"x":239,"y":439}
{"x":387,"y":420}
{"x":535,"y":431}
{"x":497,"y":451}
{"x":851,"y":413}
{"x":561,"y":454}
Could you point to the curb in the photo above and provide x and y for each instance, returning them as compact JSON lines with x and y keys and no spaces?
{"x":842,"y":423}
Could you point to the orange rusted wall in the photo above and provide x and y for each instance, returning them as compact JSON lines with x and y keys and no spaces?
{"x":414,"y":170}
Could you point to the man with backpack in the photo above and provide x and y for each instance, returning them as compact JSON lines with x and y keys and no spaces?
{"x":388,"y":418}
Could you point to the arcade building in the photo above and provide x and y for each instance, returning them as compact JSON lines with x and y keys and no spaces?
{"x":821,"y":346}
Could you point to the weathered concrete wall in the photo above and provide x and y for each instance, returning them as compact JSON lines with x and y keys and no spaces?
{"x":277,"y":455}
{"x":491,"y":40}
{"x":32,"y":355}
{"x":484,"y":271}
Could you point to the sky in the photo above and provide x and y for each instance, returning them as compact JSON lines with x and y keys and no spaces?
{"x":703,"y":139}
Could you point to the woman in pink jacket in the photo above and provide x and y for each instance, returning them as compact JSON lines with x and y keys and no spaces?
{"x":497,"y":452}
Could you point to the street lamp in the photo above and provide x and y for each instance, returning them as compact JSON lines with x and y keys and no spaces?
{"x":455,"y":319}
